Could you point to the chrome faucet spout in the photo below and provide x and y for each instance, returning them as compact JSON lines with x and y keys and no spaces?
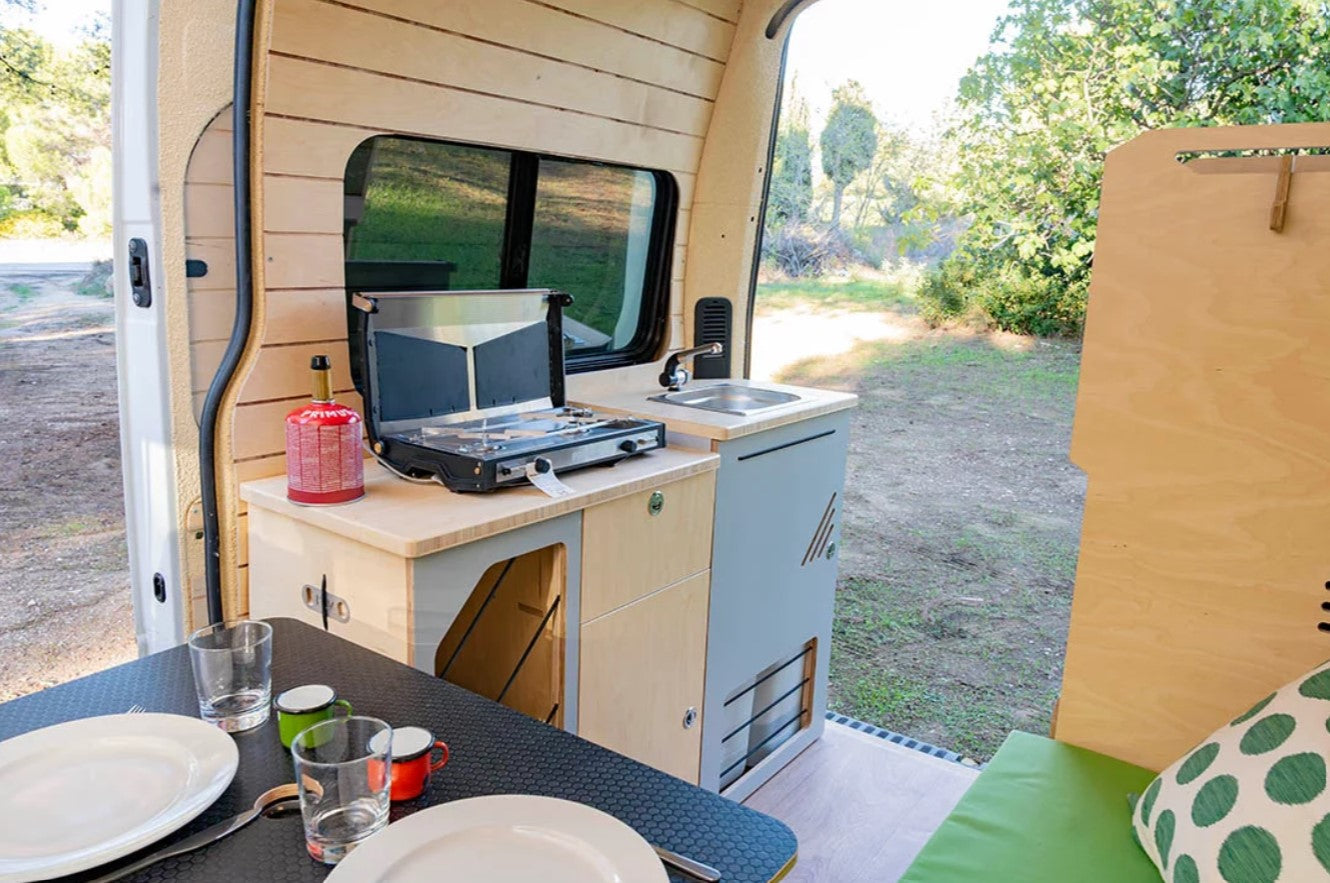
{"x":675,"y":375}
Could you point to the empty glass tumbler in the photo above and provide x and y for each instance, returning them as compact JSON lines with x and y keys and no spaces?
{"x":344,"y":768}
{"x":233,"y":673}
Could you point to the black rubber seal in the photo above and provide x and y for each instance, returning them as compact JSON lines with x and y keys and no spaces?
{"x":240,"y":328}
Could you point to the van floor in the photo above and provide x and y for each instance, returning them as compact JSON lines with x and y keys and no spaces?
{"x":861,"y":807}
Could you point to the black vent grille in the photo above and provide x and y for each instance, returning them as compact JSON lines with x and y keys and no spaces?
{"x":712,"y":320}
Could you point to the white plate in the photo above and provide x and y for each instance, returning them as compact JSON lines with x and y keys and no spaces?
{"x":82,"y":793}
{"x":504,"y":839}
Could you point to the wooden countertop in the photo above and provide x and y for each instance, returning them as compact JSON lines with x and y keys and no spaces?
{"x":413,"y":520}
{"x":723,"y":427}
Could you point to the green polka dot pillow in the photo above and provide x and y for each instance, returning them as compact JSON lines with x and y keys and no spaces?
{"x":1249,"y":804}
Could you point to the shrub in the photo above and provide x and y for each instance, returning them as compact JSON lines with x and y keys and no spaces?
{"x":31,"y":224}
{"x":803,"y":250}
{"x":1008,"y":297}
{"x":97,"y":282}
{"x":944,"y":294}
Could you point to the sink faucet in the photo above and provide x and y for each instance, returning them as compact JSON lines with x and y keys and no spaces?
{"x":675,"y":375}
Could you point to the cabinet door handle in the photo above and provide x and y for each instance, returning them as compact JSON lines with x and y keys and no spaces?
{"x":656,"y":502}
{"x":689,"y":718}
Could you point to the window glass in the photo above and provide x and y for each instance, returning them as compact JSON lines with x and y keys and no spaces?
{"x":591,"y":238}
{"x":426,"y":201}
{"x":426,"y":214}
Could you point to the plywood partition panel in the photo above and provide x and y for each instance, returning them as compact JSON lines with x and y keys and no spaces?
{"x":1203,"y":424}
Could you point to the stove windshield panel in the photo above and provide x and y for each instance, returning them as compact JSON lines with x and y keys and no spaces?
{"x":445,"y":357}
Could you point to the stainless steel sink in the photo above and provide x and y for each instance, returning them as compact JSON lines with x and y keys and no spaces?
{"x":727,"y":398}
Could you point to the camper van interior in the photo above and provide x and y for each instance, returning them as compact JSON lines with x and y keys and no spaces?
{"x":544,"y":563}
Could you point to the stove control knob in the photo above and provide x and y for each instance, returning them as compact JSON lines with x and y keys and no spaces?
{"x":628,"y":446}
{"x":542,"y":465}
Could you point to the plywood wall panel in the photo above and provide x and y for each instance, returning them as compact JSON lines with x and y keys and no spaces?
{"x":1202,"y":415}
{"x":727,"y":10}
{"x":303,"y":205}
{"x":210,"y":211}
{"x":310,"y":148}
{"x":220,"y":256}
{"x":686,"y":28}
{"x":211,"y":161}
{"x":301,"y":148}
{"x":341,"y":95}
{"x":545,"y":30}
{"x":264,"y":424}
{"x":296,"y":260}
{"x":282,"y":370}
{"x":292,"y":316}
{"x":359,"y":38}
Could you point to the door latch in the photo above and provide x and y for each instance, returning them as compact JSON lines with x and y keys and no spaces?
{"x":140,"y":280}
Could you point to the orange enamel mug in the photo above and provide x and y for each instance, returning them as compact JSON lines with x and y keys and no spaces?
{"x":412,"y":761}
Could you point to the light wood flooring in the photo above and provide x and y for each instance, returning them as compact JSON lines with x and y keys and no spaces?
{"x":861,"y":807}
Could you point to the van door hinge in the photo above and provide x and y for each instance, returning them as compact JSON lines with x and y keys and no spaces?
{"x":140,"y":280}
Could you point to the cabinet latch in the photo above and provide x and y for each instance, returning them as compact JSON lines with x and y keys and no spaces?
{"x":325,"y":603}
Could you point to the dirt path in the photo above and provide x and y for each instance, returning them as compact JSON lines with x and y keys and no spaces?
{"x":65,"y":607}
{"x":961,"y":525}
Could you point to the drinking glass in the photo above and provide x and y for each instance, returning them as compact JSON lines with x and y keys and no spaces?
{"x":344,"y":768}
{"x":233,"y":673}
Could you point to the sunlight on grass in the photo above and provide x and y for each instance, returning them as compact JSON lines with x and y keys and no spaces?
{"x":851,"y":292}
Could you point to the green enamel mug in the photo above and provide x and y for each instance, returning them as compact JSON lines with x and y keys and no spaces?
{"x":300,"y":708}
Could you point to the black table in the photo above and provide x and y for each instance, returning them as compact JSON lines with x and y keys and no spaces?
{"x":494,"y":751}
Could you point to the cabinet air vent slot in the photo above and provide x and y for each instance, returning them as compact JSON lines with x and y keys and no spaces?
{"x":712,"y":319}
{"x":763,"y":714}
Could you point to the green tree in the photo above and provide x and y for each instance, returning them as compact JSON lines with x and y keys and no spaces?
{"x":55,"y":132}
{"x":848,"y":142}
{"x":791,"y":196}
{"x":1066,"y":81}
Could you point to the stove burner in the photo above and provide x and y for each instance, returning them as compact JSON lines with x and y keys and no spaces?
{"x":494,"y":451}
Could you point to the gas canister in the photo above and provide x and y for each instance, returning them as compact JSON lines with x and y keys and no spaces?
{"x":324,"y":463}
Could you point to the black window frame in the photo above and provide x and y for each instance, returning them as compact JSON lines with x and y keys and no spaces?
{"x":519,"y":224}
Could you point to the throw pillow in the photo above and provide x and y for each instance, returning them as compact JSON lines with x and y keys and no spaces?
{"x":1250,"y":803}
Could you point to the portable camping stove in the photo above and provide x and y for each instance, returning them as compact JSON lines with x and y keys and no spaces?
{"x":468,"y":388}
{"x":496,"y":451}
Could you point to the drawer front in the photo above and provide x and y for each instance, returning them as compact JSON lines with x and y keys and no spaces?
{"x":645,"y":541}
{"x":642,"y":670}
{"x":285,"y":556}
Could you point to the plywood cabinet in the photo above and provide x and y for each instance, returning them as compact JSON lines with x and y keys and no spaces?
{"x":645,"y":593}
{"x":642,"y":677}
{"x":645,"y":541}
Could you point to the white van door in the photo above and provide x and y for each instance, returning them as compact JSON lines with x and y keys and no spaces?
{"x":151,"y":522}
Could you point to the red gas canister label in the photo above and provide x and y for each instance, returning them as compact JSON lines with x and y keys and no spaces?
{"x":324,"y":463}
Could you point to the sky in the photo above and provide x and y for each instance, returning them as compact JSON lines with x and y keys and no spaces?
{"x":908,"y":54}
{"x":60,"y":20}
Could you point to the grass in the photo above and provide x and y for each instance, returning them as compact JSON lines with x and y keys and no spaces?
{"x":848,"y":293}
{"x":97,"y":281}
{"x":955,"y":590}
{"x":23,"y":291}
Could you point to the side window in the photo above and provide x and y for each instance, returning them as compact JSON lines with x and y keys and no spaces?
{"x":424,"y":215}
{"x":423,"y":202}
{"x":592,"y":238}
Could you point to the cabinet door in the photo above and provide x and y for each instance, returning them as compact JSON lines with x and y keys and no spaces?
{"x":641,"y":678}
{"x":645,"y":541}
{"x":285,"y":556}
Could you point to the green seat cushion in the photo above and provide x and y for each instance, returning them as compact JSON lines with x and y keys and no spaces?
{"x":1041,"y":812}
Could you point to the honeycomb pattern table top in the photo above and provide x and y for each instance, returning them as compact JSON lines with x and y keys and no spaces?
{"x":494,"y":751}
